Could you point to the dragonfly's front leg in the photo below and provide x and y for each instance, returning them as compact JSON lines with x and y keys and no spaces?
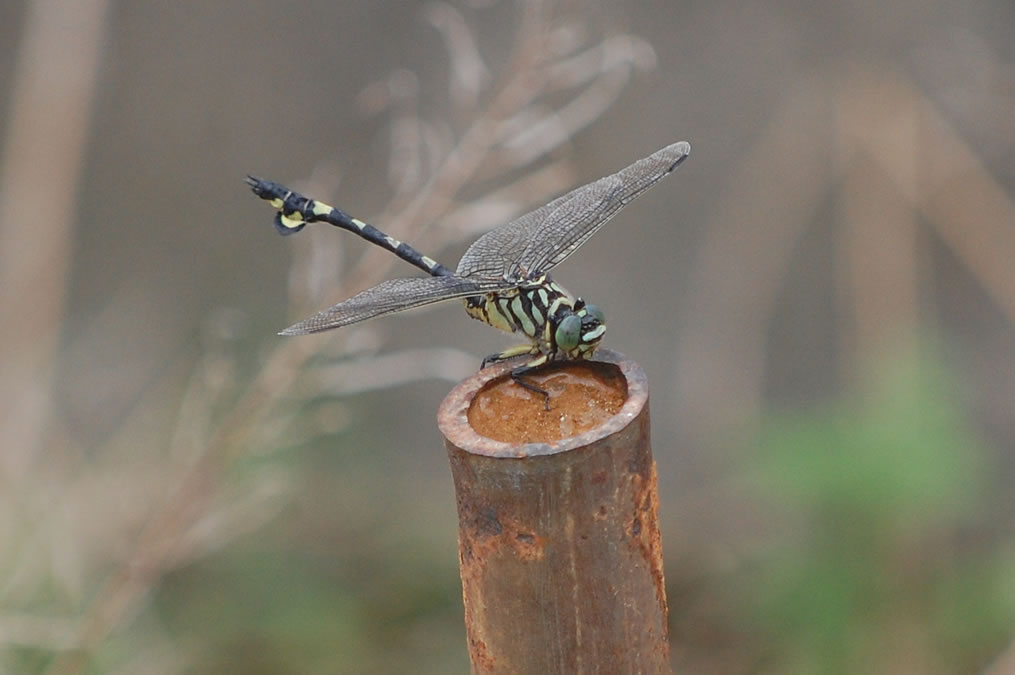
{"x":510,"y":353}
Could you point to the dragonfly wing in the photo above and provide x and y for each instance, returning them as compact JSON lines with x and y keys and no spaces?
{"x":495,"y":255}
{"x":540,"y":240}
{"x":394,"y":295}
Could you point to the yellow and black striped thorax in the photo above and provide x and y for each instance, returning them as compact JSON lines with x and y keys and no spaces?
{"x":558,"y":324}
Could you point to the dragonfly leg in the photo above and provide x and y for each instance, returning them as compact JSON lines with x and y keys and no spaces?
{"x":517,"y":373}
{"x":509,"y":353}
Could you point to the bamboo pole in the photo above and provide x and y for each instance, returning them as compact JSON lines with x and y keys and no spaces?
{"x":559,"y":545}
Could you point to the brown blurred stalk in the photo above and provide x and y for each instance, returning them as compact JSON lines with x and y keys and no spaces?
{"x":57,"y":66}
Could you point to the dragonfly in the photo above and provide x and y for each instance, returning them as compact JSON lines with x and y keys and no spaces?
{"x":503,"y":277}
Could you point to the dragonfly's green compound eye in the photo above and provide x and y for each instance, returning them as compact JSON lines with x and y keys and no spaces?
{"x":594,"y":312}
{"x":569,"y":332}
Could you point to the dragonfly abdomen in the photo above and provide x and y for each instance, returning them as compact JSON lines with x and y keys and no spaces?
{"x":295,"y":211}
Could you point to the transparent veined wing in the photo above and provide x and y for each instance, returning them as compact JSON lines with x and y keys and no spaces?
{"x":394,"y":295}
{"x":540,"y":240}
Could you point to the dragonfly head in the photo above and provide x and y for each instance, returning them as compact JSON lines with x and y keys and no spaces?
{"x":580,"y":332}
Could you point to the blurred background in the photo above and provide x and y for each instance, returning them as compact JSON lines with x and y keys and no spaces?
{"x":823,"y":297}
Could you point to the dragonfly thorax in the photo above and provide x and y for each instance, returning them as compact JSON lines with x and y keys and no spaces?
{"x":557,"y":323}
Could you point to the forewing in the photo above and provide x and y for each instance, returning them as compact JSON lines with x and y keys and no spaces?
{"x":495,"y":255}
{"x":540,"y":240}
{"x":394,"y":295}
